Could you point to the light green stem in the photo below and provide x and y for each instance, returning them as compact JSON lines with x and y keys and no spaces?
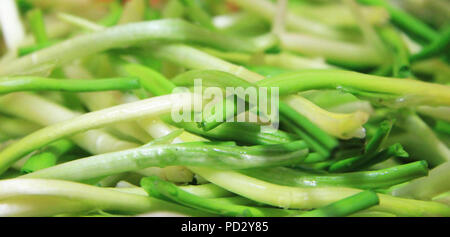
{"x":90,"y":196}
{"x":121,"y":113}
{"x":118,"y":36}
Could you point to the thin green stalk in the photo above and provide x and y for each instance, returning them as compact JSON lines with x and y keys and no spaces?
{"x":133,"y":11}
{"x":92,"y":197}
{"x":366,"y":28}
{"x":158,"y":188}
{"x":37,"y":26}
{"x":115,"y":11}
{"x":343,"y":125}
{"x":420,"y":140}
{"x":23,"y":83}
{"x":442,"y":198}
{"x":129,"y":34}
{"x":436,"y":112}
{"x":120,"y":113}
{"x":208,"y":190}
{"x":366,"y":160}
{"x":193,"y":58}
{"x":36,"y":47}
{"x":375,"y":179}
{"x":406,"y":21}
{"x":313,"y":144}
{"x":196,"y":13}
{"x":187,"y":154}
{"x":282,"y":60}
{"x":316,"y":133}
{"x":173,"y":9}
{"x":355,"y":55}
{"x":40,"y":206}
{"x":267,"y":10}
{"x":48,"y":156}
{"x":339,"y":15}
{"x":398,"y":50}
{"x":37,"y":109}
{"x":245,"y":133}
{"x":438,"y":46}
{"x":411,"y":91}
{"x":346,"y":206}
{"x":307,"y":198}
{"x":428,"y":187}
{"x":150,"y":80}
{"x":375,"y":144}
{"x":15,"y":127}
{"x":79,"y":22}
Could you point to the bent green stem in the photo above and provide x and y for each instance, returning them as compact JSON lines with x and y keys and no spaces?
{"x":118,"y":36}
{"x":409,"y":90}
{"x":47,"y":157}
{"x":188,"y":154}
{"x":346,"y":206}
{"x":307,"y":198}
{"x":91,"y":196}
{"x":15,"y":84}
{"x":375,"y":179}
{"x":161,"y":189}
{"x":121,"y":113}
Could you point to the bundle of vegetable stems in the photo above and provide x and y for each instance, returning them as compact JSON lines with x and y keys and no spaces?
{"x":87,"y":96}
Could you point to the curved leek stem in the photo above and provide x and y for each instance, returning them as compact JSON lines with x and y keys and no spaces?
{"x":91,"y":196}
{"x":421,"y":92}
{"x":405,"y":21}
{"x":161,"y":189}
{"x":120,"y":113}
{"x":171,"y":29}
{"x":440,"y":112}
{"x":222,"y":157}
{"x":282,"y":60}
{"x":339,"y":52}
{"x":15,"y":127}
{"x":400,"y":51}
{"x":346,"y":206}
{"x":438,"y":46}
{"x":193,"y":58}
{"x":427,"y":187}
{"x":267,"y":10}
{"x":37,"y":206}
{"x":14,"y":84}
{"x":47,"y":157}
{"x":375,"y":179}
{"x":307,"y":198}
{"x":341,"y":125}
{"x":36,"y":109}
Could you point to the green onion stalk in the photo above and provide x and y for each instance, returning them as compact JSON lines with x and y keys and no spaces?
{"x":295,"y":197}
{"x":129,"y":34}
{"x":126,"y":112}
{"x":195,"y":154}
{"x":36,"y":109}
{"x":375,"y":179}
{"x":14,"y":84}
{"x":90,"y":196}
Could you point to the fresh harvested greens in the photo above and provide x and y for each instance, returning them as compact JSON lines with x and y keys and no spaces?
{"x":241,"y":108}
